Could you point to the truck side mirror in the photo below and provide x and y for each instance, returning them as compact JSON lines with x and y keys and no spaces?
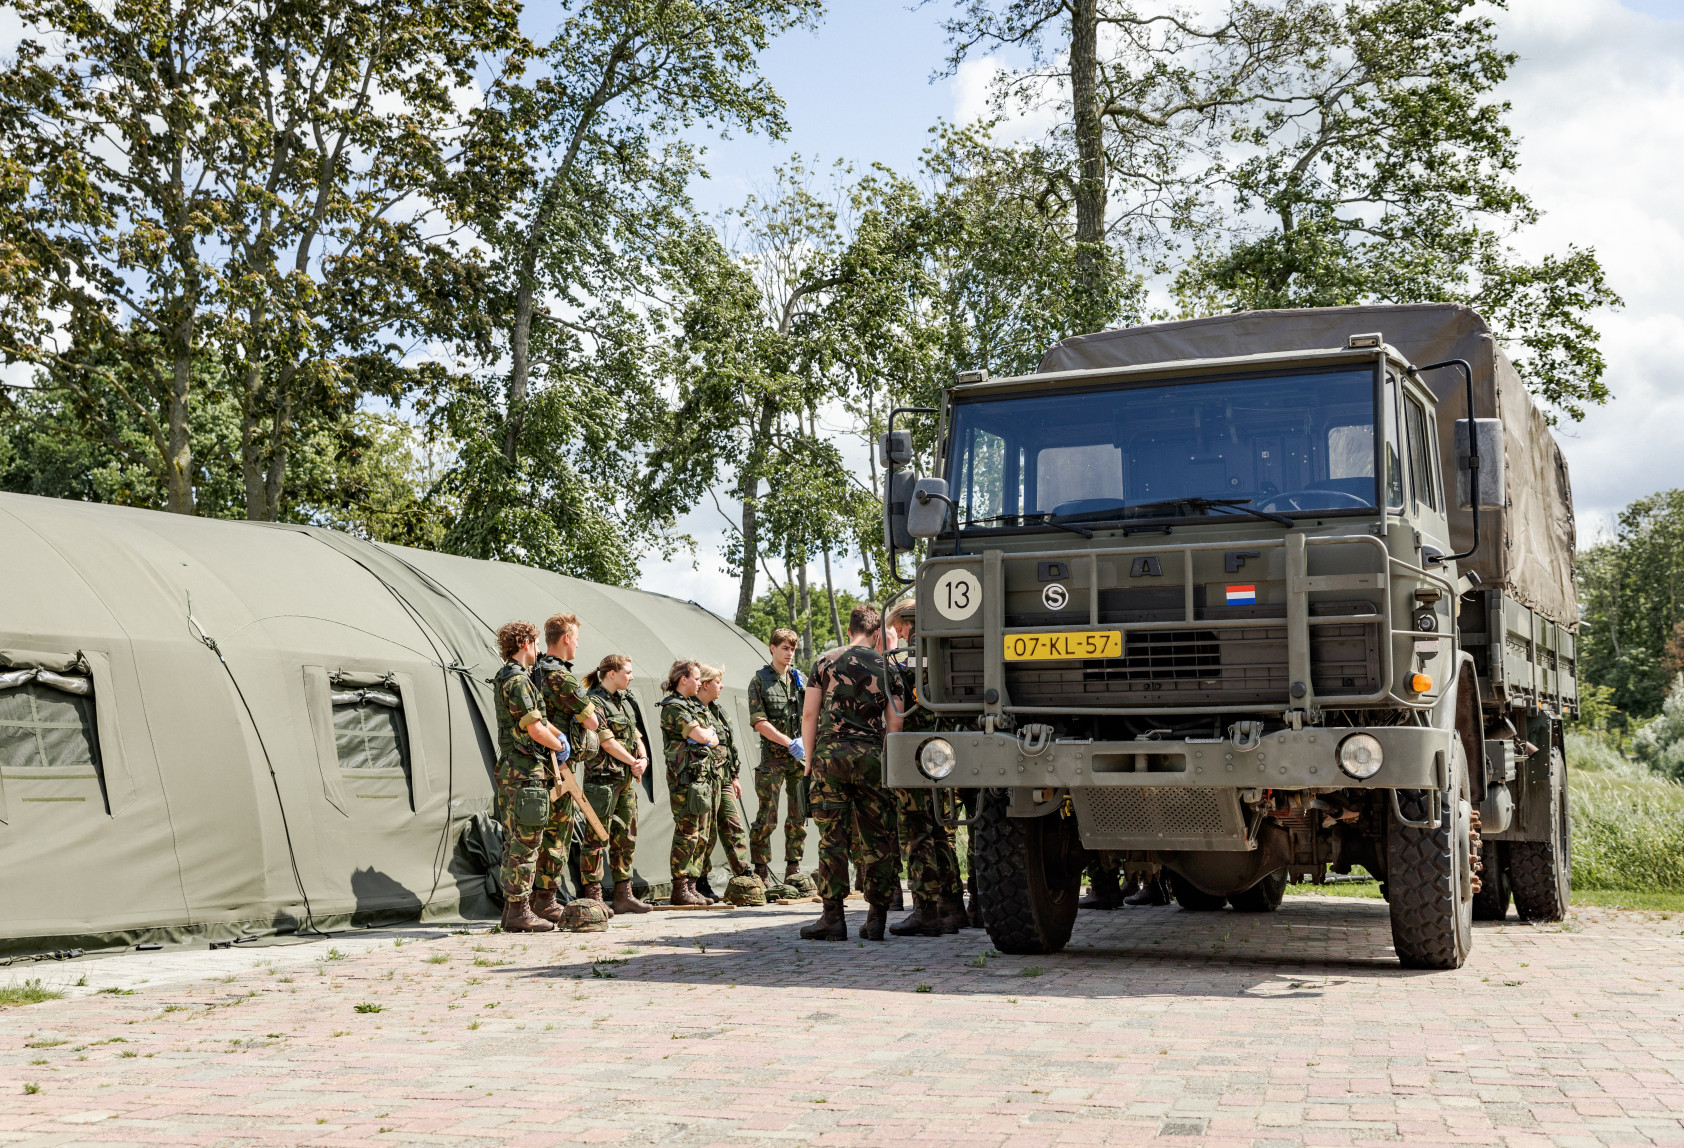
{"x":926,"y":514}
{"x":894,"y":450}
{"x":898,"y":497}
{"x":1484,"y":487}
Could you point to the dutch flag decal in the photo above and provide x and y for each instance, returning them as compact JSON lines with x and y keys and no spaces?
{"x":1242,"y":595}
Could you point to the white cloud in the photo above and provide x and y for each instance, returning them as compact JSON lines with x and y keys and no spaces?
{"x":1598,"y":100}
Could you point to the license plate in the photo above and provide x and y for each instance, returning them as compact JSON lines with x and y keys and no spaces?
{"x":1070,"y":644}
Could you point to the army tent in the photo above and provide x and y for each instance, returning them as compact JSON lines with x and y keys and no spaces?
{"x":1527,"y":546}
{"x":225,"y":728}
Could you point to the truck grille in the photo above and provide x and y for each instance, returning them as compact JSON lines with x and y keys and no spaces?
{"x":1150,"y":817}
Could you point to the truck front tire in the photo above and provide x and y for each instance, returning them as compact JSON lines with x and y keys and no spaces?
{"x":1029,"y":875}
{"x":1429,"y":876}
{"x":1540,"y":872}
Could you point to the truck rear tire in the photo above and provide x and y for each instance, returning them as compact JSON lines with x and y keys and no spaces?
{"x":1429,"y":876}
{"x":1029,"y":875}
{"x":1491,"y":903}
{"x":1194,"y":899}
{"x":1263,"y":897}
{"x":1540,"y":872}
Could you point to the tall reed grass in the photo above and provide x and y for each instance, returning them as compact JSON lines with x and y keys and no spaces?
{"x":1628,"y":823}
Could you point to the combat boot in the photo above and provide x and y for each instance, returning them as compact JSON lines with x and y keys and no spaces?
{"x":923,"y":921}
{"x":703,"y":889}
{"x":518,"y":918}
{"x":1105,"y":894}
{"x":1151,"y":893}
{"x":764,"y":872}
{"x":684,"y":893}
{"x":977,"y":921}
{"x":832,"y":926}
{"x":793,"y":869}
{"x":544,"y":905}
{"x":898,"y":905}
{"x":593,"y":892}
{"x":876,"y":917}
{"x":951,"y":907}
{"x":625,"y":901}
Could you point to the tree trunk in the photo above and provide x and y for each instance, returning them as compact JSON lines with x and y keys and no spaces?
{"x":1090,"y":157}
{"x":830,"y":592}
{"x":178,"y":462}
{"x":806,"y":612}
{"x":748,"y":490}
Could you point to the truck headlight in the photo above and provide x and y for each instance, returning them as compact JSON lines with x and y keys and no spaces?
{"x":936,"y":758}
{"x":1360,"y":756}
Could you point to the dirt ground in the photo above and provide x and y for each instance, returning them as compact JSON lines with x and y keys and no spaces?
{"x":721,"y":1027}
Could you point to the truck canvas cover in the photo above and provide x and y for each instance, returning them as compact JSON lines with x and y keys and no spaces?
{"x":1527,"y":547}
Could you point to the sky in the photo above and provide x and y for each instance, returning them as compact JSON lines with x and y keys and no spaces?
{"x":1598,"y":104}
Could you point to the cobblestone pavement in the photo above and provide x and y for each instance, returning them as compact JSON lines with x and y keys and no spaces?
{"x":721,"y":1027}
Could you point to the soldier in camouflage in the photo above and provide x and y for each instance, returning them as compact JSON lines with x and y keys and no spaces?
{"x":618,"y":768}
{"x":730,"y":826}
{"x":774,"y":712}
{"x":568,"y":710}
{"x":846,"y":711}
{"x":690,"y":741}
{"x":524,"y":742}
{"x":932,"y":864}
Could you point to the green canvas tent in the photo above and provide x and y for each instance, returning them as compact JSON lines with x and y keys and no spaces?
{"x":225,"y":728}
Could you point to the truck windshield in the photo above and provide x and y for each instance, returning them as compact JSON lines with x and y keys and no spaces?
{"x":1279,"y":443}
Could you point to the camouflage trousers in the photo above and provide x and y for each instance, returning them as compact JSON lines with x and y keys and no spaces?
{"x":621,"y":823}
{"x":783,"y":775}
{"x":932,"y":866}
{"x":855,"y":814}
{"x":693,"y":805}
{"x":731,"y":827}
{"x":530,"y":856}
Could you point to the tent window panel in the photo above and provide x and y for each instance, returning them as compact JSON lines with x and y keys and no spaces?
{"x":49,"y":746}
{"x":369,"y":737}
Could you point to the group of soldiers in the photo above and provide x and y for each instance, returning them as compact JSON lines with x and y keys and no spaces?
{"x":570,"y":748}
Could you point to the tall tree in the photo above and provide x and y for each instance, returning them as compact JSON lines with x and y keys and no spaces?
{"x":576,"y":221}
{"x":1383,"y":170}
{"x":1631,"y":599}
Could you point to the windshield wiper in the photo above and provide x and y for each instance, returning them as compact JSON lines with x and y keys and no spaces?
{"x":1045,"y":517}
{"x":1231,"y":505}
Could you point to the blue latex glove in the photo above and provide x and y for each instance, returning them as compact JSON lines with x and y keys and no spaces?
{"x":797,"y":750}
{"x":566,"y":750}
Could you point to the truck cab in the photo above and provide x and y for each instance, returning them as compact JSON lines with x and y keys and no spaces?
{"x":1206,"y":616}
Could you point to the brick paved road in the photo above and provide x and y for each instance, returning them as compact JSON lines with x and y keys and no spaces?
{"x":722,"y":1027}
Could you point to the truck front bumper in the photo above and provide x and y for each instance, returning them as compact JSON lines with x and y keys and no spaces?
{"x":1413,"y":757}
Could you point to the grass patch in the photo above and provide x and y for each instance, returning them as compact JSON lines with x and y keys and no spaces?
{"x":1628,"y":831}
{"x":365,"y":1007}
{"x":27,"y":992}
{"x":1030,"y":971}
{"x":438,"y":959}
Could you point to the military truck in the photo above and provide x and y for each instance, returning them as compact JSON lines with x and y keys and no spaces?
{"x":1242,"y":601}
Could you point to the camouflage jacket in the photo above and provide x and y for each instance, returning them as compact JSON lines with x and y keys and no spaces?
{"x":854,"y":702}
{"x":687,"y":761}
{"x":619,"y":717}
{"x":517,"y":697}
{"x":777,"y":700}
{"x":565,"y":703}
{"x":727,"y":761}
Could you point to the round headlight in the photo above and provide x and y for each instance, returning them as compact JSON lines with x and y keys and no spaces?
{"x":936,"y":758}
{"x":1360,"y":756}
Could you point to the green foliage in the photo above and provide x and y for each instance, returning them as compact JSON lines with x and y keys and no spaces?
{"x":1659,"y":744}
{"x":1631,"y":602}
{"x":27,"y":992}
{"x":1627,"y":833}
{"x":1380,"y":169}
{"x":776,"y":609}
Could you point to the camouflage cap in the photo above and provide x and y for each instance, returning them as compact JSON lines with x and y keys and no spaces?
{"x":804,"y":882}
{"x":584,"y":916}
{"x":745,"y":890}
{"x":783,"y":893}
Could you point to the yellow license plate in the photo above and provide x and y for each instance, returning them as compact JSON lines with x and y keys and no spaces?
{"x":1076,"y":644}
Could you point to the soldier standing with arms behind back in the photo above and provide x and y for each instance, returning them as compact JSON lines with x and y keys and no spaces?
{"x":774,"y":712}
{"x":844,"y":717}
{"x":729,"y":825}
{"x":689,"y":747}
{"x":618,"y":768}
{"x":524,"y":742}
{"x":567,"y":709}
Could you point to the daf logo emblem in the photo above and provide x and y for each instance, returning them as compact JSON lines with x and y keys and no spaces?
{"x":1055,"y":596}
